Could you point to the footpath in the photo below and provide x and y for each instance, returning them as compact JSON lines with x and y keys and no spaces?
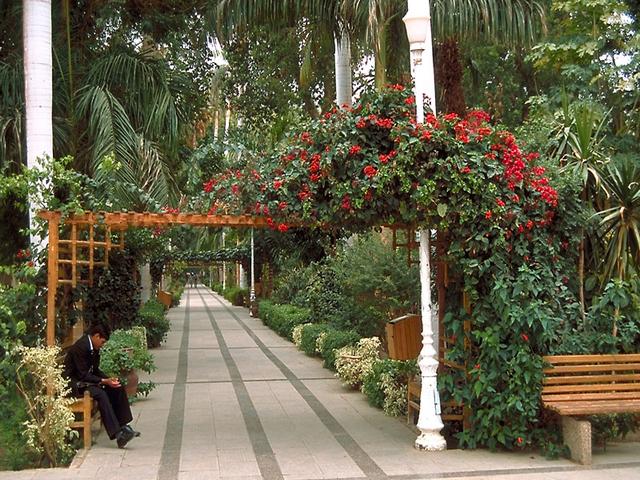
{"x":235,"y":401}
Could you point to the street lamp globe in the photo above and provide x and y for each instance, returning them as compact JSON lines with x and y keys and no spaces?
{"x":416,"y":21}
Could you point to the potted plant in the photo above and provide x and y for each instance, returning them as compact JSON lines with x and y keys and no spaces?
{"x":124,"y":354}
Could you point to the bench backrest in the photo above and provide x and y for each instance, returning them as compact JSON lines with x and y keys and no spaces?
{"x":404,"y":337}
{"x":591,"y":377}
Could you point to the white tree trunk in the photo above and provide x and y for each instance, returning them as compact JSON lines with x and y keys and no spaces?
{"x":344,"y":84}
{"x":37,"y":88}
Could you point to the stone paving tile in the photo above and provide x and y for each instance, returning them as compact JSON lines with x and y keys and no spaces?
{"x":253,"y":364}
{"x":206,"y":366}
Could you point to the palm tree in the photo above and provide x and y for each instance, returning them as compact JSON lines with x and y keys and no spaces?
{"x":38,"y":89}
{"x":504,"y":22}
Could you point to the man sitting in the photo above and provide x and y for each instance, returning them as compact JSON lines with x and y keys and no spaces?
{"x":82,"y":368}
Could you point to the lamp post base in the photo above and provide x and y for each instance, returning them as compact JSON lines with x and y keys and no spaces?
{"x":430,"y":442}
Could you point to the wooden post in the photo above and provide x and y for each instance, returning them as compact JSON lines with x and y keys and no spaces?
{"x":52,"y":279}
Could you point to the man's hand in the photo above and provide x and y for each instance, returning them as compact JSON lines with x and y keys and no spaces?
{"x":111,"y":382}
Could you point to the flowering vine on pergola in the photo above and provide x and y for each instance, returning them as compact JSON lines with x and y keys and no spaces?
{"x":373,"y":165}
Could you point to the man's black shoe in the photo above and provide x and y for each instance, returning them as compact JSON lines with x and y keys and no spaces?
{"x":128,"y":428}
{"x":123,"y":437}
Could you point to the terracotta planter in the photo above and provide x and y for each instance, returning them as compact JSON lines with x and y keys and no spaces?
{"x":132,"y":383}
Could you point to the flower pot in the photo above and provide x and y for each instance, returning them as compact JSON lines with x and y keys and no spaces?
{"x":132,"y":383}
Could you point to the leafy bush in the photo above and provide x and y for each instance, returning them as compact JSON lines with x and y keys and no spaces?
{"x":283,"y":318}
{"x":126,"y":350}
{"x":153,"y":318}
{"x":114,"y":300}
{"x":14,"y":453}
{"x":296,"y":334}
{"x":332,"y":339}
{"x":237,"y":296}
{"x":385,"y":385}
{"x":217,"y":287}
{"x":353,"y":362}
{"x":309,"y":337}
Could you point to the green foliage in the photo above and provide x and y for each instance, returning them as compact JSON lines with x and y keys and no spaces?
{"x":282,"y":318}
{"x":47,"y":429}
{"x":14,"y":453}
{"x":309,"y":337}
{"x":153,"y":318}
{"x":236,"y":295}
{"x":332,"y":339}
{"x":360,"y":287}
{"x":22,"y":314}
{"x":386,"y":377}
{"x":126,"y":350}
{"x":114,"y":300}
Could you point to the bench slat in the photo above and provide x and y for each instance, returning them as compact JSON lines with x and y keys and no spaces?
{"x":591,"y":379}
{"x":593,"y":408}
{"x":611,"y":387}
{"x":619,"y":357}
{"x":599,"y":367}
{"x":574,"y":397}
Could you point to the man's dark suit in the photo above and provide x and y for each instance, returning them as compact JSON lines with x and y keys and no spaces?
{"x":82,"y":364}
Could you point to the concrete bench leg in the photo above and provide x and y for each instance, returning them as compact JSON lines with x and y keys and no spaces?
{"x":577,"y":436}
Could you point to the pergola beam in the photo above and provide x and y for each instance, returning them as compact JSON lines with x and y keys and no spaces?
{"x":124,"y":220}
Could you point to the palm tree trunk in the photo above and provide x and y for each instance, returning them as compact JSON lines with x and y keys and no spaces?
{"x":38,"y":90}
{"x":344,"y":87}
{"x":449,"y":76}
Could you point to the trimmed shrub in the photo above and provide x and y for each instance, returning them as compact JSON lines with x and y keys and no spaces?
{"x":385,"y":386}
{"x":237,"y":296}
{"x":309,"y":337}
{"x":353,"y":362}
{"x":153,"y":317}
{"x":333,"y":339}
{"x":283,"y":318}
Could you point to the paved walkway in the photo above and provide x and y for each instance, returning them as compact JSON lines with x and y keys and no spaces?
{"x":235,"y":401}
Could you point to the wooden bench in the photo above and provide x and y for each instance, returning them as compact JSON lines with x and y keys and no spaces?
{"x":579,"y":385}
{"x":165,"y":298}
{"x":84,"y":408}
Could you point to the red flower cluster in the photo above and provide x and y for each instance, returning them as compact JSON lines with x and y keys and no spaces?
{"x":370,"y":171}
{"x":384,"y":158}
{"x":168,"y":209}
{"x":23,"y":253}
{"x":385,"y":123}
{"x":306,"y":138}
{"x":346,"y":202}
{"x":465,"y":169}
{"x":355,"y":149}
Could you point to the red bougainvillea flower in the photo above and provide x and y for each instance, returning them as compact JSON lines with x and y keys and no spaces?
{"x":410,"y":100}
{"x":346,"y":202}
{"x":426,"y":135}
{"x":277,"y":184}
{"x":314,"y":177}
{"x":488,"y":214}
{"x":282,"y":205}
{"x":465,"y":169}
{"x":477,"y":366}
{"x":370,"y":171}
{"x":306,"y":138}
{"x":451,"y":117}
{"x":500,"y":203}
{"x":362,"y":123}
{"x":283,"y":227}
{"x":396,"y":86}
{"x":355,"y":149}
{"x":385,"y":123}
{"x":519,"y":440}
{"x":235,"y":188}
{"x":524,"y":337}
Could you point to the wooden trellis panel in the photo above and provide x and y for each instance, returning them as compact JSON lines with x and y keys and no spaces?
{"x":76,"y":248}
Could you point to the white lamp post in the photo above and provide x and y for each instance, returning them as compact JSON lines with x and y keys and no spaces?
{"x":418,"y":24}
{"x":252,"y":294}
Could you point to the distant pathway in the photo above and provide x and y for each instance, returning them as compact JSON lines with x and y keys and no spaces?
{"x":236,"y":401}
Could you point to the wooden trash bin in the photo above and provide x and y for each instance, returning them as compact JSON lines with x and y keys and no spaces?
{"x":404,"y":337}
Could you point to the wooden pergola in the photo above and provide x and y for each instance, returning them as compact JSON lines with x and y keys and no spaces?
{"x":85,"y":243}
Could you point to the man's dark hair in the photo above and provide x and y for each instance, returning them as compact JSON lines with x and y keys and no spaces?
{"x":100,"y":329}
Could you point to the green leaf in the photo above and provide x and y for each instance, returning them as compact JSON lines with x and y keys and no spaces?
{"x":442,"y":209}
